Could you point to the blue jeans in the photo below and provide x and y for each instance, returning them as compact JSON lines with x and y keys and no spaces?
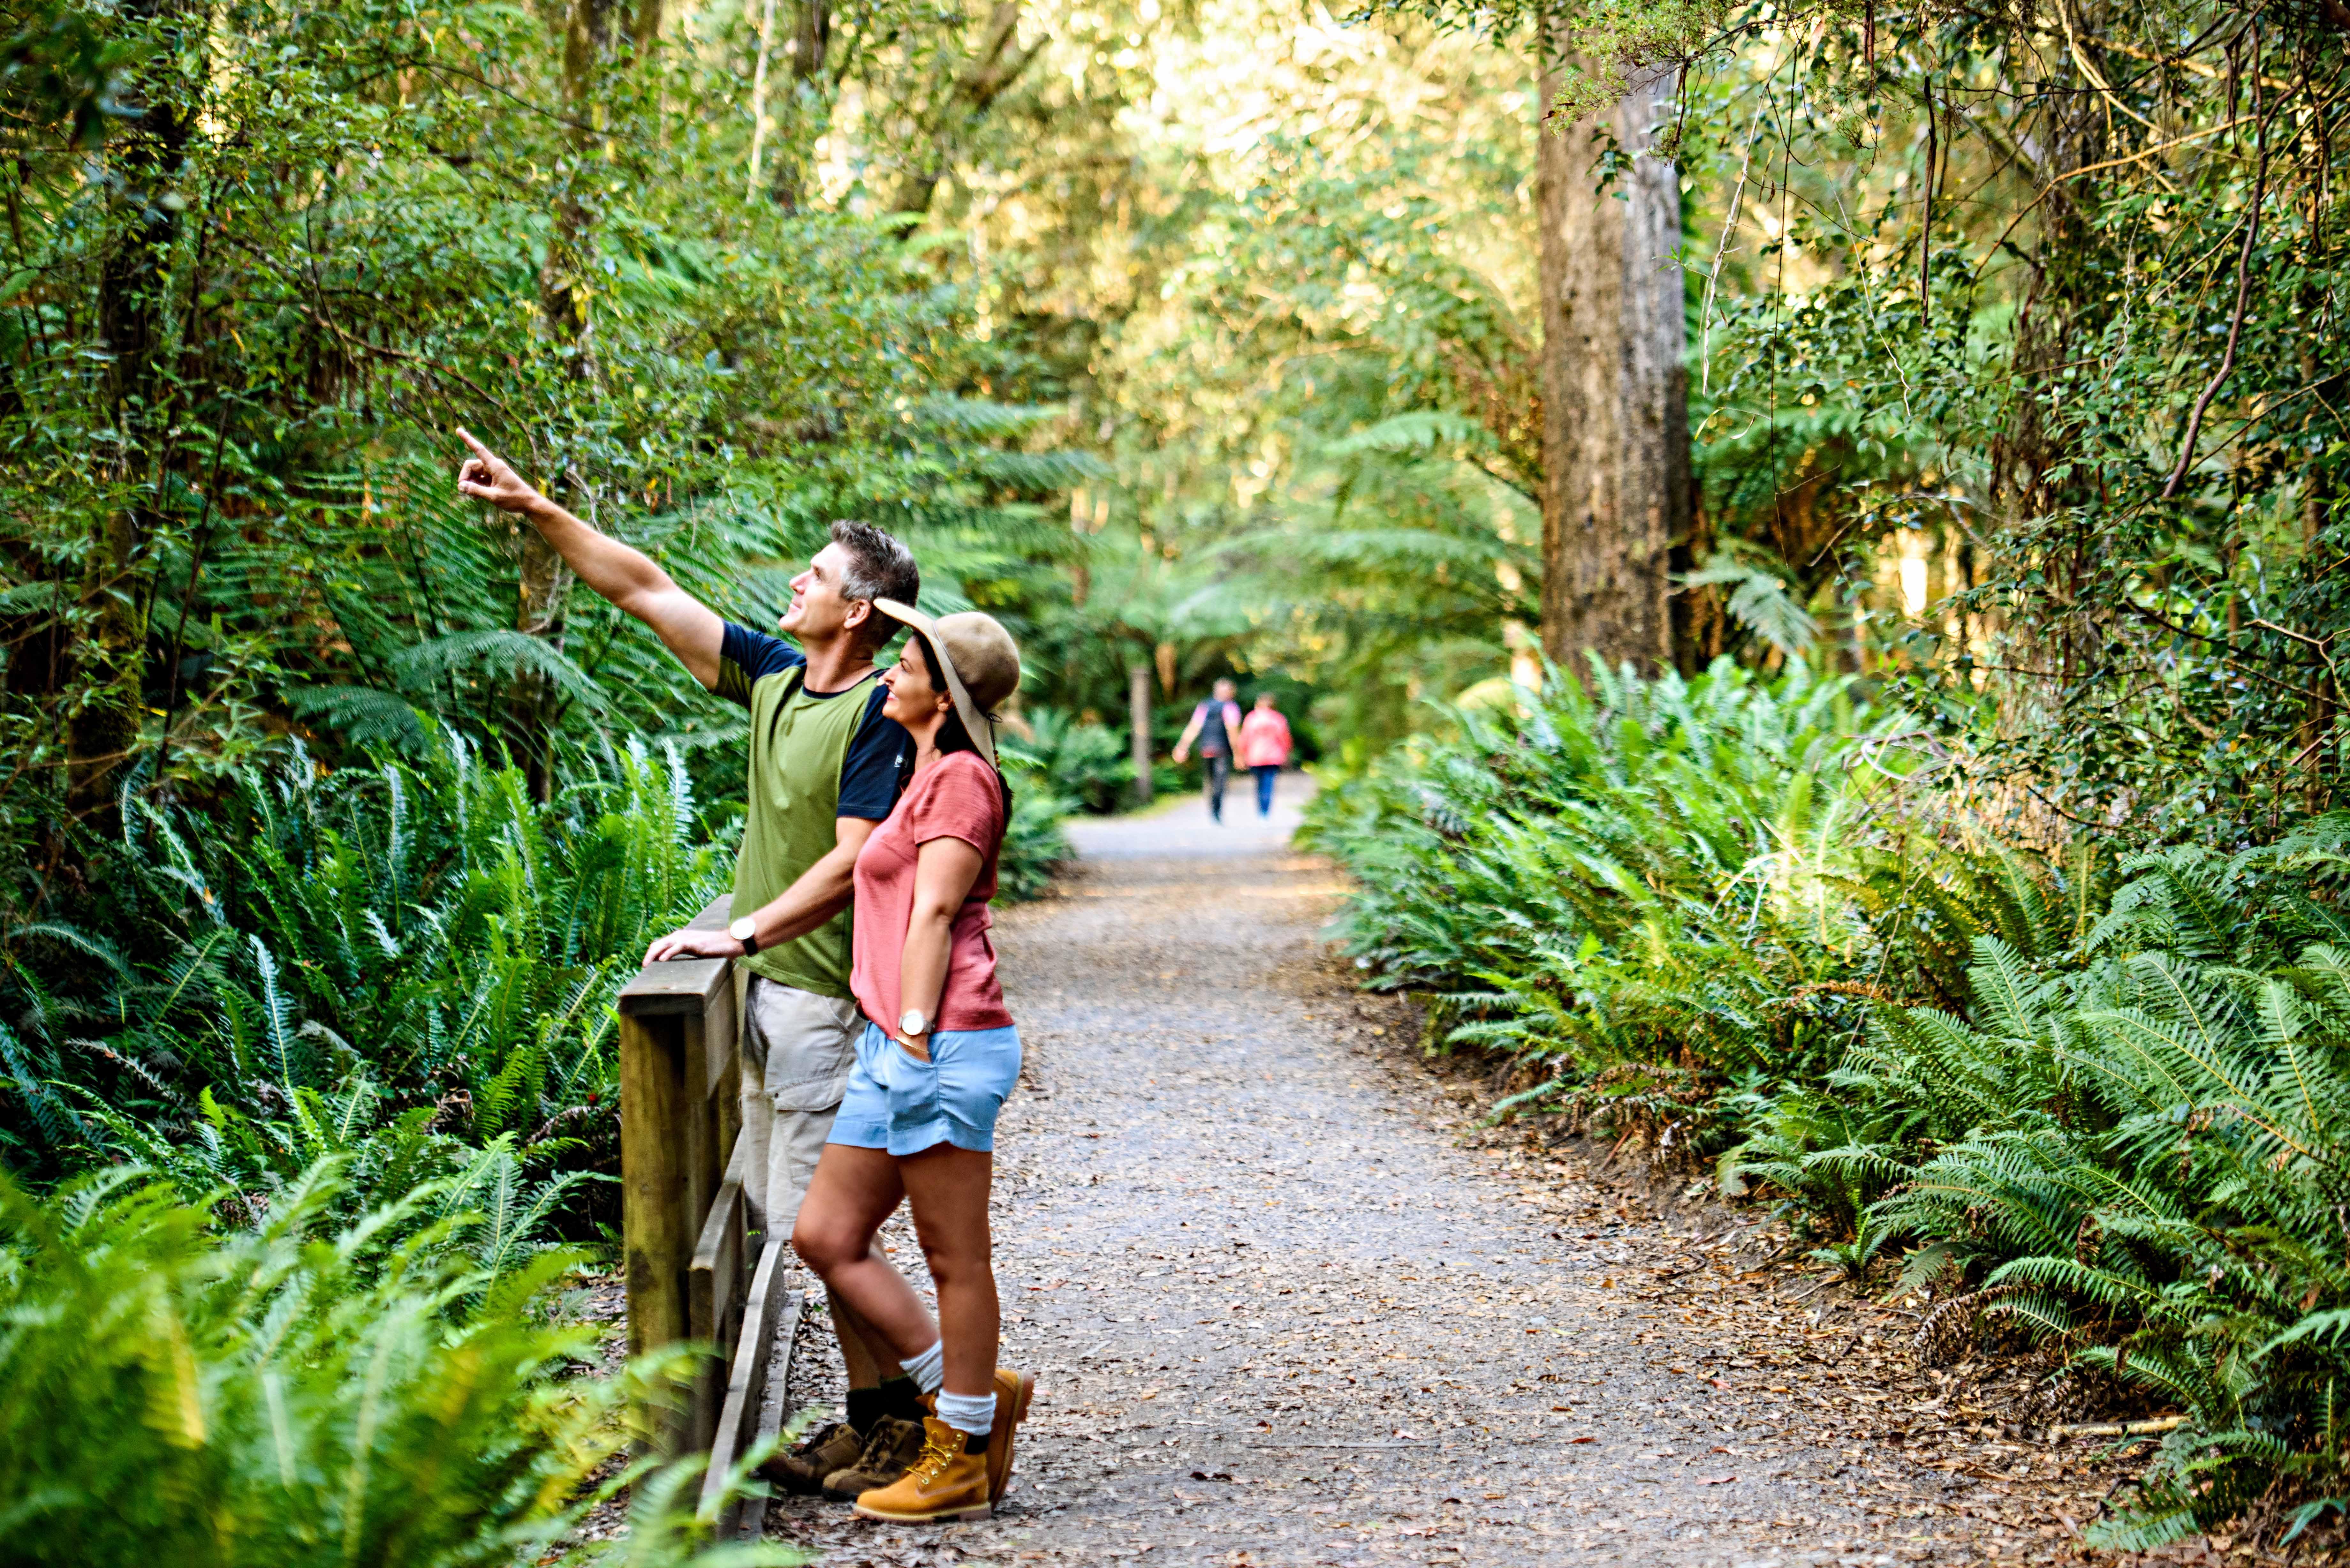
{"x":1220,"y":768}
{"x":1265,"y":774}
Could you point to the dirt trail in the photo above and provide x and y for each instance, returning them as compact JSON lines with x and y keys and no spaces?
{"x":1282,"y":1311}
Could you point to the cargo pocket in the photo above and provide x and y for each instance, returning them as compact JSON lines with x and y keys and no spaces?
{"x":811,"y":1047}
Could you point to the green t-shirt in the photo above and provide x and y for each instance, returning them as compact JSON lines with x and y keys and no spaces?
{"x":816,"y":757}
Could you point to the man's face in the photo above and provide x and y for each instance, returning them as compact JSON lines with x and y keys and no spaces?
{"x":1224,"y":691}
{"x":817,"y":609}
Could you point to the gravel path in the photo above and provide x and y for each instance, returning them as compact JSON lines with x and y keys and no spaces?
{"x":1283,"y":1309}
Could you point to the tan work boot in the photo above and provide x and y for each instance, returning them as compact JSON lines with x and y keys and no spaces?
{"x":890,"y":1449}
{"x":835,"y":1446}
{"x":1013,"y":1392}
{"x":947,"y":1482}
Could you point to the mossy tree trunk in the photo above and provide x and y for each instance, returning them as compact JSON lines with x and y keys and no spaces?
{"x":1615,"y":429}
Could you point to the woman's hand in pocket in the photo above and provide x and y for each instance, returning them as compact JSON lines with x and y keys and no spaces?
{"x":916,"y":1046}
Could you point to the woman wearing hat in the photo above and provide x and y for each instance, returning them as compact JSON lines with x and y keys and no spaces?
{"x":937,"y":1058}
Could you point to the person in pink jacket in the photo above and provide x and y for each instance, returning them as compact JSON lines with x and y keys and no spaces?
{"x":1264,"y":748}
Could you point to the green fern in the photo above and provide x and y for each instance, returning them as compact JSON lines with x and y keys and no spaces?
{"x":2103,"y":1106}
{"x":320,"y":1385}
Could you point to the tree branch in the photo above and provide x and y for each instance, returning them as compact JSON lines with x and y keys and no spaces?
{"x":2236,"y":321}
{"x":993,"y":68}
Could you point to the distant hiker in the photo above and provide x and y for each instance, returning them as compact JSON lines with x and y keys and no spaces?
{"x":1264,"y":748}
{"x":1215,"y":724}
{"x":938,"y":1055}
{"x":826,"y":767}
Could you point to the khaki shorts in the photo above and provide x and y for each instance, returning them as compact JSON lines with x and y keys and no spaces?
{"x":797,"y":1050}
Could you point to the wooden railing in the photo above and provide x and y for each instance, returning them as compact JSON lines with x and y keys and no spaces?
{"x":690,"y":1274}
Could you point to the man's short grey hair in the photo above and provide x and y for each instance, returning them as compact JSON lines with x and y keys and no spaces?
{"x":879,"y":567}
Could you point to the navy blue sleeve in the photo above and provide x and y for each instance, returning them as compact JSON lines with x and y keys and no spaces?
{"x":874,"y":771}
{"x":744,"y":657}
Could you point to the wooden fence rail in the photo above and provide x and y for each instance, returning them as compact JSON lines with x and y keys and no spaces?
{"x":686,"y":1225}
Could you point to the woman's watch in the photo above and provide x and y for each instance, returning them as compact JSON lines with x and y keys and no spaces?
{"x":746,"y":931}
{"x":913,"y":1022}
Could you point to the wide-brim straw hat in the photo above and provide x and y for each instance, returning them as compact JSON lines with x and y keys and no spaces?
{"x":982,"y":664}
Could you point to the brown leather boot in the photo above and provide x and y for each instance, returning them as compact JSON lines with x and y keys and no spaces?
{"x":948,"y":1481}
{"x":890,"y":1449}
{"x":1013,"y":1392}
{"x":801,"y":1471}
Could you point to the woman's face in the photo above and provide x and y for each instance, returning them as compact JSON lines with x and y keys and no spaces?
{"x":917,"y":699}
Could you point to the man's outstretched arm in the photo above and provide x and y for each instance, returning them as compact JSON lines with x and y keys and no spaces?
{"x":626,"y":577}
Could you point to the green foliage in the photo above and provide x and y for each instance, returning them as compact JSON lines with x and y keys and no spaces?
{"x":394,"y":964}
{"x":1033,"y":841}
{"x":1088,"y":764}
{"x":245,"y":315}
{"x":1644,"y":874}
{"x":303,"y":1390}
{"x":2104,"y":1106}
{"x":2145,"y":1155}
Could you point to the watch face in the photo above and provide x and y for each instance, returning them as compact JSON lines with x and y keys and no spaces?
{"x":744,"y":929}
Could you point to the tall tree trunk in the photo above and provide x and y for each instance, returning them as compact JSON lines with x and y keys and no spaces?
{"x":102,"y":723}
{"x":564,"y":296}
{"x":1137,"y":712}
{"x":1614,"y":436}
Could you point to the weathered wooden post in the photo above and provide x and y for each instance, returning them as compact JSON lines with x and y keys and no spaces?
{"x":689,"y":1275}
{"x":678,"y":1120}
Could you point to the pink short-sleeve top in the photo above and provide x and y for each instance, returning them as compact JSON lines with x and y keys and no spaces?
{"x":955,"y":798}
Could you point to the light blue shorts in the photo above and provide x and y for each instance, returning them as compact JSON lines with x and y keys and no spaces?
{"x":897,"y":1103}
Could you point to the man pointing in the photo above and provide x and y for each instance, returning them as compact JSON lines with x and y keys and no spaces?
{"x":825,"y":769}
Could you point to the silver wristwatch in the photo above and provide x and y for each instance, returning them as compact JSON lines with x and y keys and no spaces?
{"x":746,"y":931}
{"x":913,"y":1022}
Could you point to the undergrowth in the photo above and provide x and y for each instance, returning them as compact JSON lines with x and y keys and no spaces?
{"x":308,"y":1388}
{"x":311,"y":1075}
{"x":400,"y":965}
{"x":2097,"y":1101}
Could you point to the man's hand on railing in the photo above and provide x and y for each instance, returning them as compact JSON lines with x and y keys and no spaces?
{"x":690,"y":943}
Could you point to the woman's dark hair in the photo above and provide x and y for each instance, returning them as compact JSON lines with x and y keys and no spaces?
{"x":954,"y":735}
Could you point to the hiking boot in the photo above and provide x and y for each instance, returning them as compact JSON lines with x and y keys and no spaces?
{"x":890,"y":1449}
{"x":1013,"y":1392}
{"x":947,"y":1481}
{"x":835,"y":1446}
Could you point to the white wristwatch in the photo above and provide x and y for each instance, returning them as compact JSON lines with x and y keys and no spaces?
{"x":746,"y":931}
{"x":913,"y":1022}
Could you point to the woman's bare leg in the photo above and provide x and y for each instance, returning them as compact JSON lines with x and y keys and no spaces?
{"x":947,"y":1188}
{"x":852,"y":1192}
